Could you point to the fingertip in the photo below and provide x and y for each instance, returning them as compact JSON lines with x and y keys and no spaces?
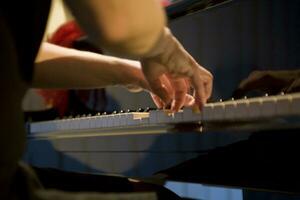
{"x":175,"y":107}
{"x":163,"y":94}
{"x":189,"y":101}
{"x":158,"y":102}
{"x":200,"y":103}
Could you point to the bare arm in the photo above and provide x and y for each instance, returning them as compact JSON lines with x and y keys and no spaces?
{"x":136,"y":28}
{"x":59,"y":67}
{"x":126,"y":27}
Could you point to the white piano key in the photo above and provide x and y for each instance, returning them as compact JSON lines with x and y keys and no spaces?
{"x":74,"y":124}
{"x":99,"y":121}
{"x":110,"y":120}
{"x":35,"y":127}
{"x":134,"y":122}
{"x":162,"y":116}
{"x":177,"y":117}
{"x":116,"y":120}
{"x":208,"y":112}
{"x":42,"y":127}
{"x":51,"y":126}
{"x":84,"y":123}
{"x":218,"y":111}
{"x":295,"y":104}
{"x":93,"y":122}
{"x":153,"y":117}
{"x":130,"y":121}
{"x":254,"y":108}
{"x":187,"y":114}
{"x":64,"y":124}
{"x":230,"y":110}
{"x":268,"y":107}
{"x":242,"y":110}
{"x":105,"y":120}
{"x":190,"y":116}
{"x":144,"y":121}
{"x":136,"y":118}
{"x":48,"y":126}
{"x":283,"y":105}
{"x":60,"y":125}
{"x":123,"y":119}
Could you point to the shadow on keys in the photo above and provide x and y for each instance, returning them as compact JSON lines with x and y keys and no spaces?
{"x":266,"y":162}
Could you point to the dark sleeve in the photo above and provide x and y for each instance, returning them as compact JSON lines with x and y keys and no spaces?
{"x":26,"y":22}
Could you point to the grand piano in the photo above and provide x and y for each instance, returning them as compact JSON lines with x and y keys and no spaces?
{"x":248,"y":143}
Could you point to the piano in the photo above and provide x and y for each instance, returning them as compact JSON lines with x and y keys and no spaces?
{"x":249,"y":143}
{"x":142,"y":143}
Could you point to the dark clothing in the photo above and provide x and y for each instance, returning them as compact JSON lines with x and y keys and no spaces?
{"x":22,"y":26}
{"x":27,"y":27}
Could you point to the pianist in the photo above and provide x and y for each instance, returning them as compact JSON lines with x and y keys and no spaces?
{"x":133,"y":29}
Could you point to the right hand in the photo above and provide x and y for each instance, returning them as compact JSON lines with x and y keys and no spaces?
{"x":170,"y":71}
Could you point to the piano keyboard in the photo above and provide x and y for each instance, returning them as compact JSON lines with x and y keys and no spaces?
{"x":224,"y":111}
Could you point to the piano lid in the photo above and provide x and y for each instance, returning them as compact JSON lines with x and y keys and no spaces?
{"x":178,"y":8}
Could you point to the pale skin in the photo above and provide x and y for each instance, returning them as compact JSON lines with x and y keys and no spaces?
{"x":133,"y":29}
{"x":60,"y":67}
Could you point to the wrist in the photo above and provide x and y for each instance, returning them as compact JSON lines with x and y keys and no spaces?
{"x":129,"y":72}
{"x":162,"y":44}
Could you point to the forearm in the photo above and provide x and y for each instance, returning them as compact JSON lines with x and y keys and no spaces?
{"x":129,"y":28}
{"x":58,"y":67}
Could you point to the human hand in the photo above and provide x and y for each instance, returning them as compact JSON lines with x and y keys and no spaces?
{"x":271,"y":82}
{"x":171,"y":72}
{"x":134,"y":80}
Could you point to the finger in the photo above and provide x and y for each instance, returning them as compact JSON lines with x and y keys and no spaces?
{"x":180,"y":91}
{"x":157,"y":101}
{"x":188,"y":85}
{"x":189,"y":100}
{"x":166,"y":82}
{"x":200,"y":97}
{"x":180,"y":94}
{"x":153,"y":73}
{"x":201,"y":80}
{"x":208,"y":84}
